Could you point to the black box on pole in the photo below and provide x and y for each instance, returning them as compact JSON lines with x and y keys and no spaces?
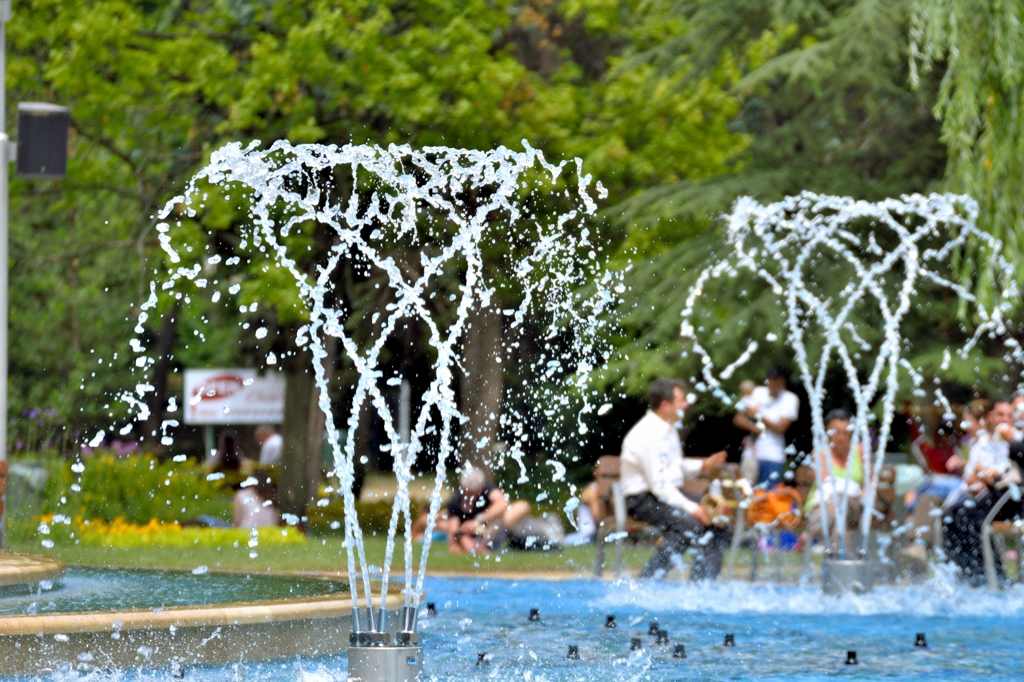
{"x":42,"y":140}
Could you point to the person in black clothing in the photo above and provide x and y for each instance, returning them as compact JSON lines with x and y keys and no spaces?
{"x":228,"y":457}
{"x":480,"y":516}
{"x":963,"y":520}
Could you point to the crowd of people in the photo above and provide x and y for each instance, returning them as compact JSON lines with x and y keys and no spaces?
{"x":969,"y":466}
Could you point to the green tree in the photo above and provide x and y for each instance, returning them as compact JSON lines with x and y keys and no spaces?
{"x":154,"y":88}
{"x":827,"y":102}
{"x":981,"y":47}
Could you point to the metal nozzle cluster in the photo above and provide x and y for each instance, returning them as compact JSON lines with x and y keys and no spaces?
{"x":406,"y":635}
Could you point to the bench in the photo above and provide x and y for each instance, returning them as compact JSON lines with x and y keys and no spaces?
{"x":621,"y":526}
{"x":991,"y":528}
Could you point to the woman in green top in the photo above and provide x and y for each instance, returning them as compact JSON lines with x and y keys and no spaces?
{"x":847,"y":473}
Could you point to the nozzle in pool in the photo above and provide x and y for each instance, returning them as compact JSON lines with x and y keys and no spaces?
{"x":680,"y":651}
{"x":730,"y":640}
{"x":662,"y":637}
{"x":851,"y":658}
{"x":609,"y":622}
{"x":534,"y":614}
{"x":481,"y":658}
{"x":574,"y":653}
{"x":635,"y":644}
{"x":920,"y":641}
{"x":652,"y":628}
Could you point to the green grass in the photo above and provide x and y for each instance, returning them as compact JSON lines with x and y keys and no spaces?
{"x":326,"y":553}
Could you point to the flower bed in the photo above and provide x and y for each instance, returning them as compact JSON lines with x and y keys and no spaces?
{"x":122,"y":534}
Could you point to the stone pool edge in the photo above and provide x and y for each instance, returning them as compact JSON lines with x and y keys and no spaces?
{"x":18,"y":569}
{"x":181,"y":636}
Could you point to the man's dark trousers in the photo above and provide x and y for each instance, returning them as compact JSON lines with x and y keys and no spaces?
{"x":679,"y":530}
{"x":962,"y":534}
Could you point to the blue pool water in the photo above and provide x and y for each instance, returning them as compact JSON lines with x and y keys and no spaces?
{"x":781,"y":633}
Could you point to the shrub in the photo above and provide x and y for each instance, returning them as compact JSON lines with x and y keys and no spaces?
{"x":137,"y":488}
{"x":374,"y":517}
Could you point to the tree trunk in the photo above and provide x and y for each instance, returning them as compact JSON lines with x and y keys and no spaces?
{"x":318,"y":420}
{"x":293,"y":488}
{"x":158,"y":398}
{"x":481,"y":387}
{"x":364,"y":438}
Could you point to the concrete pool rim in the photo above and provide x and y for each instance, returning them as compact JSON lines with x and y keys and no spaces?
{"x":208,"y":634}
{"x":18,"y":570}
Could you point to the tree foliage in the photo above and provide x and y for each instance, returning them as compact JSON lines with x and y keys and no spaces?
{"x":981,"y":47}
{"x":828,"y":106}
{"x":154,"y":87}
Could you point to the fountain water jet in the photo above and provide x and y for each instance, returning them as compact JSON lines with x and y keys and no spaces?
{"x":419,"y":218}
{"x":841,"y":270}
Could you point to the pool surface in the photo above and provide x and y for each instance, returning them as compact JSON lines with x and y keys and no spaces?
{"x":781,"y":633}
{"x":95,"y":589}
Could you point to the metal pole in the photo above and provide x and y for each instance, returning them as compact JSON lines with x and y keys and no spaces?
{"x":5,"y":16}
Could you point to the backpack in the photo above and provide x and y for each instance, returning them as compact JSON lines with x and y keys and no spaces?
{"x":781,"y":505}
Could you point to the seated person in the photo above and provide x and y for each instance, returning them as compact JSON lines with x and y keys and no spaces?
{"x":972,"y":424}
{"x":596,"y":501}
{"x":933,"y":455}
{"x":844,"y":479}
{"x":653,"y":471}
{"x":227,"y":457}
{"x":987,"y":474}
{"x":419,"y":525}
{"x":479,"y":516}
{"x":254,"y":502}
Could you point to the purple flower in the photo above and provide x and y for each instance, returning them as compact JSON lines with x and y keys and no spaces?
{"x":34,"y":413}
{"x":126,"y":448}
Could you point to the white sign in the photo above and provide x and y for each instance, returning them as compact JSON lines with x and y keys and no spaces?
{"x":233,"y":396}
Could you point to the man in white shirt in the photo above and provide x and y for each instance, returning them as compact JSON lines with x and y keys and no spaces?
{"x":652,"y":473}
{"x":767,"y":415}
{"x":270,"y":443}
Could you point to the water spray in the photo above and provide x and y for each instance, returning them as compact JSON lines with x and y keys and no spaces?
{"x":423,"y":222}
{"x":801,"y":248}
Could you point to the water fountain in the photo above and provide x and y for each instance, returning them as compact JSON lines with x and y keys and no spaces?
{"x":420,"y":218}
{"x":403,"y":202}
{"x":845,"y":276}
